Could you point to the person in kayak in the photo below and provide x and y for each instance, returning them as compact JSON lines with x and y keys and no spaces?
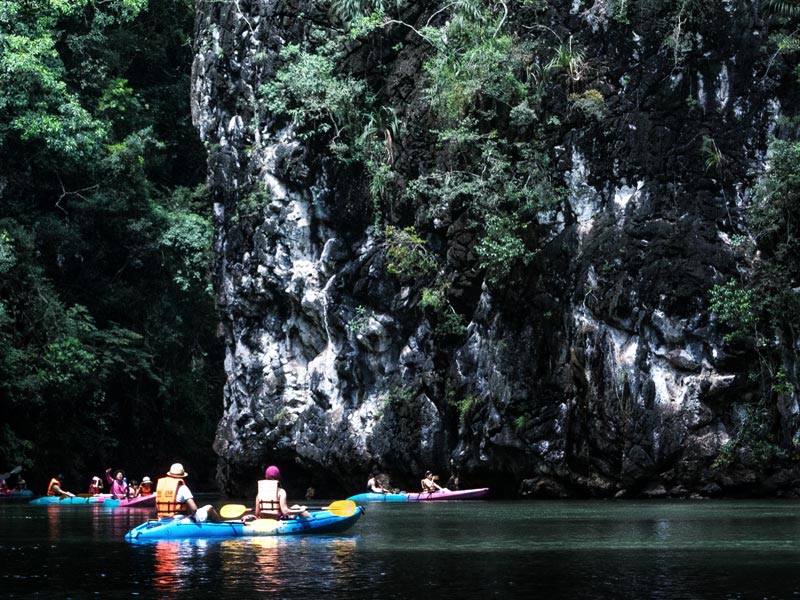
{"x":96,"y":486}
{"x":174,"y":498}
{"x":429,"y":484}
{"x":146,"y":488}
{"x":54,"y":488}
{"x":373,"y":485}
{"x":119,"y":486}
{"x":271,"y":499}
{"x":133,"y":489}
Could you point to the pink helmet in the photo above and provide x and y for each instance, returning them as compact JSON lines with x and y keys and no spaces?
{"x":272,"y":472}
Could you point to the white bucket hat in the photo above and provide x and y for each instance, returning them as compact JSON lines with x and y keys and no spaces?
{"x":176,"y":470}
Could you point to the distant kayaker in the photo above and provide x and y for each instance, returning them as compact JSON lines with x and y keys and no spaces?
{"x":133,"y":489}
{"x":271,"y":499}
{"x":146,"y":488}
{"x":174,"y":498}
{"x":54,"y":488}
{"x":119,"y":486}
{"x":96,"y":486}
{"x":429,"y":484}
{"x":373,"y":485}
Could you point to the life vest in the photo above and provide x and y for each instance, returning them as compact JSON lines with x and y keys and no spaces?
{"x":166,"y":491}
{"x":53,"y":482}
{"x":146,"y":489}
{"x":267,"y":505}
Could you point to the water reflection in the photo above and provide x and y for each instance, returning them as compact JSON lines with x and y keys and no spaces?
{"x":54,"y":522}
{"x":267,"y":562}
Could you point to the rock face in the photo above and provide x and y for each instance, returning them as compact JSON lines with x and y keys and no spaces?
{"x":598,"y":370}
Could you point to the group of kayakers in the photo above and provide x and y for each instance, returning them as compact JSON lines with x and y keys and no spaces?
{"x":119,"y":486}
{"x":427,"y":483}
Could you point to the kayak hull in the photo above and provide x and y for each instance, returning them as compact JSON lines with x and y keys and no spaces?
{"x":447,"y":496}
{"x":321,"y":522}
{"x":17,"y":495}
{"x":140,"y":502}
{"x":373,"y":497}
{"x":470,"y":494}
{"x":56,"y":500}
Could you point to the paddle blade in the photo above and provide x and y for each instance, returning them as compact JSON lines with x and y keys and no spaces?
{"x":16,"y":469}
{"x":342,"y":508}
{"x":232,"y":511}
{"x":264,"y":525}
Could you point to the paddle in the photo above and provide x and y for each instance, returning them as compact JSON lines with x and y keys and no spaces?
{"x":340,"y":508}
{"x":233,"y":511}
{"x":264,"y":525}
{"x":13,"y":471}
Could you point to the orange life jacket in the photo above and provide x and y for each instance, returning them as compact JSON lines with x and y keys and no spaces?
{"x":166,"y":490}
{"x":267,"y":505}
{"x":146,"y":488}
{"x":53,"y":482}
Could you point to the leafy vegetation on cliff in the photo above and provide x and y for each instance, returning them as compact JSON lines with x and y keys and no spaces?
{"x":106,"y":313}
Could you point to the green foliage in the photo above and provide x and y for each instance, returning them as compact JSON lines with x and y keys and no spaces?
{"x":398,"y":396}
{"x":189,"y":237}
{"x":590,"y":102}
{"x":786,"y":8}
{"x":107,"y":348}
{"x":447,"y":322}
{"x":503,"y":247}
{"x":712,"y":156}
{"x":752,"y":436}
{"x":318,"y":101}
{"x":349,"y":11}
{"x":781,"y":383}
{"x":618,"y":11}
{"x":733,"y":304}
{"x":463,"y":406}
{"x":473,"y":69}
{"x":360,"y":321}
{"x":408,"y":257}
{"x":569,"y":60}
{"x":7,"y":257}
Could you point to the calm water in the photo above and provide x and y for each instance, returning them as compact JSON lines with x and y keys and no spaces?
{"x":480,"y":549}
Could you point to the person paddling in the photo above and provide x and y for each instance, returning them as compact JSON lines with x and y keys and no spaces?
{"x":54,"y":488}
{"x":271,"y":499}
{"x":173,"y":498}
{"x":373,"y":485}
{"x":429,"y":484}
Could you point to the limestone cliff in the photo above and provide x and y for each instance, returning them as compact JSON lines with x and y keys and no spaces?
{"x":593,"y":366}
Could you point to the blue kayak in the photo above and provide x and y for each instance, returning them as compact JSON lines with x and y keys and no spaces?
{"x":440,"y":496}
{"x":99,"y":499}
{"x":373,"y":497}
{"x":16,"y":495}
{"x":179,"y":528}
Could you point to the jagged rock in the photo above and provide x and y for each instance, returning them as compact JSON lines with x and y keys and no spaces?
{"x":597,"y":370}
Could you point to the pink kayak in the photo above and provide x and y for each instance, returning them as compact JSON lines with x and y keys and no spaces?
{"x":421,"y":496}
{"x":138,"y":502}
{"x":448,"y":495}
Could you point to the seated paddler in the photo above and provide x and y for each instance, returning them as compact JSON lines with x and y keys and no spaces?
{"x":271,"y":499}
{"x":174,"y":498}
